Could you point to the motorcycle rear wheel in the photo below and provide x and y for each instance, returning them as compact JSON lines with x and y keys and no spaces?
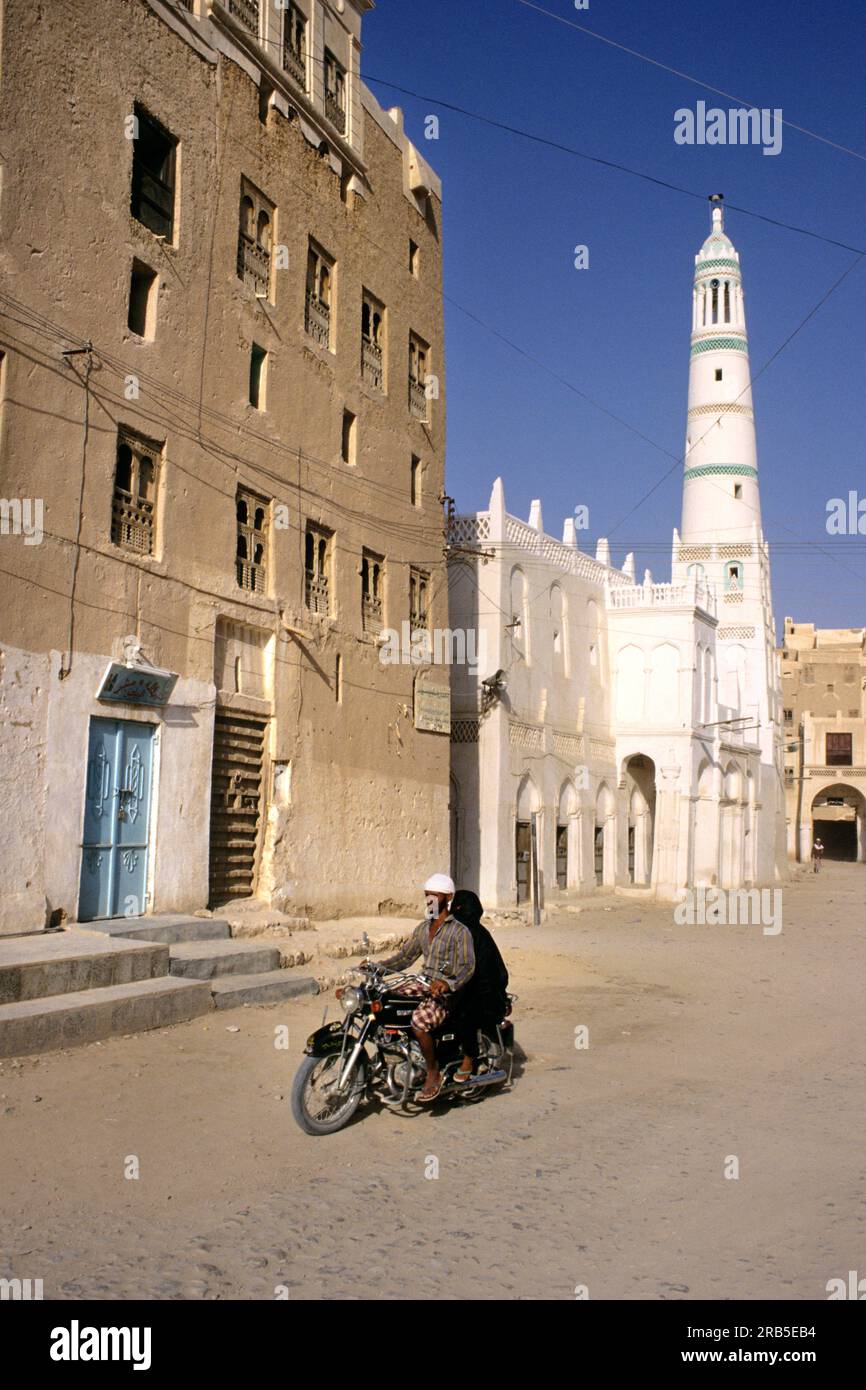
{"x":336,"y":1109}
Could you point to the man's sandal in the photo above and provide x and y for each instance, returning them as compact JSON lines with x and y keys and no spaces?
{"x":461,"y":1076}
{"x":427,"y":1097}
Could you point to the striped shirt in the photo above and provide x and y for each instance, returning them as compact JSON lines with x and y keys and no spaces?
{"x":450,"y":956}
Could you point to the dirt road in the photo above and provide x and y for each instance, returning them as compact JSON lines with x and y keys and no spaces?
{"x":604,"y":1167}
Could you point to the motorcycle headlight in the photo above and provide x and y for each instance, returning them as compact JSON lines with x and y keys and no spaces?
{"x":351,"y":999}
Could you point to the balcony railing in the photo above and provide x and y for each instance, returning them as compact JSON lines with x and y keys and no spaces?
{"x":318,"y":320}
{"x":247,"y":11}
{"x":295,"y":64}
{"x":254,"y":265}
{"x":418,"y":621}
{"x":371,"y":363}
{"x":132,"y":522}
{"x":251,"y":576}
{"x":335,"y":111}
{"x":417,"y":399}
{"x":316,"y":594}
{"x":371,"y":614}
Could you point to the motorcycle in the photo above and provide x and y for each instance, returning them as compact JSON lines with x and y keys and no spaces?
{"x":373,"y":1053}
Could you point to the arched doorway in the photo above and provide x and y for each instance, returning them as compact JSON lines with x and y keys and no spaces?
{"x":566,"y":837}
{"x":839,"y":820}
{"x":639,"y":774}
{"x":605,"y":836}
{"x":528,"y":803}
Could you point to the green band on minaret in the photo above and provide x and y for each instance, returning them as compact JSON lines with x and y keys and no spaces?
{"x":720,"y":345}
{"x":741,"y":470}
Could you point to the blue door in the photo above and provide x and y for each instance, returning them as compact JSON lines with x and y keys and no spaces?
{"x":116,"y":820}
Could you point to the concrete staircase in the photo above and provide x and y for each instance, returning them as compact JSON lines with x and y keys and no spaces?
{"x":126,"y":975}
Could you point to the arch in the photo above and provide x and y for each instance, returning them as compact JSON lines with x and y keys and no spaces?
{"x":664,"y":684}
{"x":639,"y":779}
{"x":630,"y":681}
{"x":735,"y":676}
{"x":566,"y":836}
{"x":592,"y":632}
{"x":528,"y":802}
{"x":605,"y":836}
{"x":519,"y":626}
{"x":705,"y":825}
{"x":557,"y":627}
{"x":733,"y":781}
{"x":838,"y":819}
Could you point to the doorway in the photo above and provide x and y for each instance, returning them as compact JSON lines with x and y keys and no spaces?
{"x":114,"y":842}
{"x":236,"y":804}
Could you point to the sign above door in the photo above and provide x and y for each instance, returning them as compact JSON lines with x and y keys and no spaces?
{"x":136,"y":685}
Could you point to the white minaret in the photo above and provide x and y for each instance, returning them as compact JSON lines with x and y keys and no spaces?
{"x":721,"y":540}
{"x":720,"y":487}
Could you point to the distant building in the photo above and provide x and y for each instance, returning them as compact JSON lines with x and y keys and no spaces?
{"x":823,"y":678}
{"x":627,"y":735}
{"x":223,"y":391}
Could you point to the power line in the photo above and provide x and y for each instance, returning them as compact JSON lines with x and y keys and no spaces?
{"x":605,"y":163}
{"x":665,"y":67}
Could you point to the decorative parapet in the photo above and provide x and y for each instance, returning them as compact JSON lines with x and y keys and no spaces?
{"x":695,"y":593}
{"x":475,"y":530}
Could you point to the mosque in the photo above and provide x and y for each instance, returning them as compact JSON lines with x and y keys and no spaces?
{"x":627,"y":735}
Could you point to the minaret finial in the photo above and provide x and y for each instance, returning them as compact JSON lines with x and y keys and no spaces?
{"x":718,"y":214}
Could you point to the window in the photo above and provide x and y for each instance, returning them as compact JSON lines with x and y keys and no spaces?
{"x":738,"y":489}
{"x":839,"y":750}
{"x":415,"y":481}
{"x":419,"y":589}
{"x":247,"y":11}
{"x":853,"y":714}
{"x":418,"y":351}
{"x":788,"y":716}
{"x":372,"y":341}
{"x":831,"y":688}
{"x":372,"y":590}
{"x":252,"y":516}
{"x":258,"y":376}
{"x":133,"y":512}
{"x":295,"y":45}
{"x":153,"y":164}
{"x":254,"y":240}
{"x":718,"y":373}
{"x":338,"y":679}
{"x":335,"y":92}
{"x":317,"y":569}
{"x":141,"y":317}
{"x":349,"y":437}
{"x":320,"y":286}
{"x":414,"y":263}
{"x":733,"y":577}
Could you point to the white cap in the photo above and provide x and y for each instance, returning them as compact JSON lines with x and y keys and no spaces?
{"x":440,"y":883}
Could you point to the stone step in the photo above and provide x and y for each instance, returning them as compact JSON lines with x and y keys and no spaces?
{"x":203,"y":960}
{"x":231,"y":991}
{"x":68,"y":1020}
{"x":169,"y":928}
{"x":68,"y":962}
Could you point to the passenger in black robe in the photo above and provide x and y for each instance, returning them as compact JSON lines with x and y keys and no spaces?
{"x":484,"y":1002}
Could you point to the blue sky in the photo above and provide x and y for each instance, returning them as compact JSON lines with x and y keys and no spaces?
{"x":619,"y":331}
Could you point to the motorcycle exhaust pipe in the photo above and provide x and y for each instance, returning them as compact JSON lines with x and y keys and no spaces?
{"x":486,"y":1078}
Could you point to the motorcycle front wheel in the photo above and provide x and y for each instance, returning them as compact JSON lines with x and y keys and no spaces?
{"x":317,"y":1105}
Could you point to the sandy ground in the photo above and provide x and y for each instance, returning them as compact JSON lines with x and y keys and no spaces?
{"x":602,"y":1167}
